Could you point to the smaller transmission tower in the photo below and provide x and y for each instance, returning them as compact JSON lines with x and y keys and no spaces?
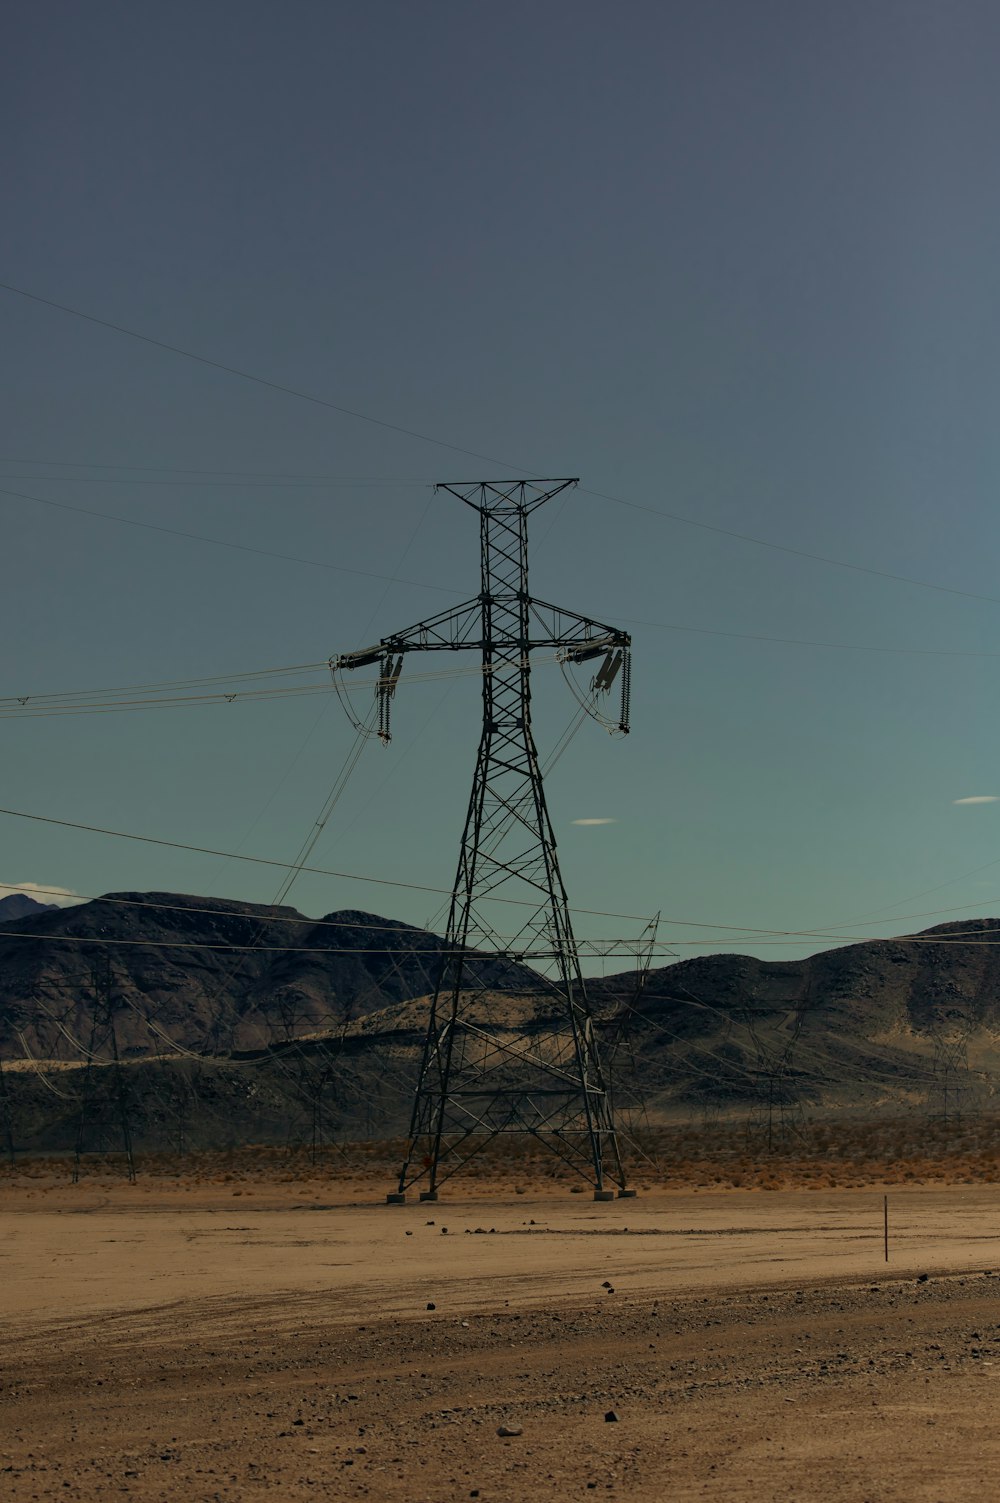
{"x":101,"y":1114}
{"x":621,"y":1038}
{"x":508,"y":1049}
{"x":776,"y":1112}
{"x":8,"y":1123}
{"x":950,"y":1031}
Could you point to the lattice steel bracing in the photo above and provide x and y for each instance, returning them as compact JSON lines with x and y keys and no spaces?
{"x":510,"y":1044}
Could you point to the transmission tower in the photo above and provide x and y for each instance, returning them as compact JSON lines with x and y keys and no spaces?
{"x":620,"y":1036}
{"x":104,"y":1113}
{"x":950,"y":1029}
{"x":8,"y":1124}
{"x":491,"y":1062}
{"x":776,"y":1112}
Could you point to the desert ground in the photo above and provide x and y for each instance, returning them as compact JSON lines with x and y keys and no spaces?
{"x":288,"y":1335}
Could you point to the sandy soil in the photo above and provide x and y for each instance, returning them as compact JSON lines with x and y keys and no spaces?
{"x":172,"y":1340}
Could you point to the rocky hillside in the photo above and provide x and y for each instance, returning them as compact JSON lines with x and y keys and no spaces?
{"x":207,"y":974}
{"x":883,"y":1020}
{"x":884,"y":986}
{"x":18,"y":905}
{"x":243,"y":1024}
{"x":901,"y":1023}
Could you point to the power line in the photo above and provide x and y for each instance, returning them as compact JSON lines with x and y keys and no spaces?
{"x":365,"y":417}
{"x":155,"y":943}
{"x":319,"y":871}
{"x":232,"y":370}
{"x":199,"y":537}
{"x":902,"y":918}
{"x":174,"y":683}
{"x":448,"y":590}
{"x":164,"y":469}
{"x":743,"y":636}
{"x":185,"y":703}
{"x":36,"y":1067}
{"x":819,"y":558}
{"x":925,"y":892}
{"x":163,"y":702}
{"x":418,"y":524}
{"x":260,"y":918}
{"x":738,"y":931}
{"x":665,"y":946}
{"x":269,"y":485}
{"x":20,"y":706}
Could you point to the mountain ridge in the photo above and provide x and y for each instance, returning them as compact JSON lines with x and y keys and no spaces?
{"x":19,"y":905}
{"x":217,"y":978}
{"x":215,"y":974}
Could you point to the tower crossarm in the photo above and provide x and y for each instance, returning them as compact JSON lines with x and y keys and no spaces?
{"x":576,"y":638}
{"x":449,"y":631}
{"x":573,"y":637}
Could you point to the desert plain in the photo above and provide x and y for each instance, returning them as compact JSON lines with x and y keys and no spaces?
{"x":262,"y":1334}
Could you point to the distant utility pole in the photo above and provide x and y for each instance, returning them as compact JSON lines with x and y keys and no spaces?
{"x":492,"y":1066}
{"x":950,"y":1029}
{"x":620,"y":1034}
{"x":102,"y":1034}
{"x":8,"y":1124}
{"x":776,"y":1113}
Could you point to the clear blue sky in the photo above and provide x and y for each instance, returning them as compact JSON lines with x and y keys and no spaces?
{"x":735,"y":262}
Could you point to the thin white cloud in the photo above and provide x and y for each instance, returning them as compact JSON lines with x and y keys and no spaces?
{"x":62,"y":897}
{"x":978,"y":798}
{"x":595,"y":821}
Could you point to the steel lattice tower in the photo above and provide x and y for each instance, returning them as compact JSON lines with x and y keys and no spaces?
{"x":103,"y":1032}
{"x":508,"y":1049}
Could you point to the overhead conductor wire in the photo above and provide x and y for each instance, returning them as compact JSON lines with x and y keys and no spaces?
{"x":427,"y":438}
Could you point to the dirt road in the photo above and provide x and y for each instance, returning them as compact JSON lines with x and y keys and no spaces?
{"x":752,"y":1347}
